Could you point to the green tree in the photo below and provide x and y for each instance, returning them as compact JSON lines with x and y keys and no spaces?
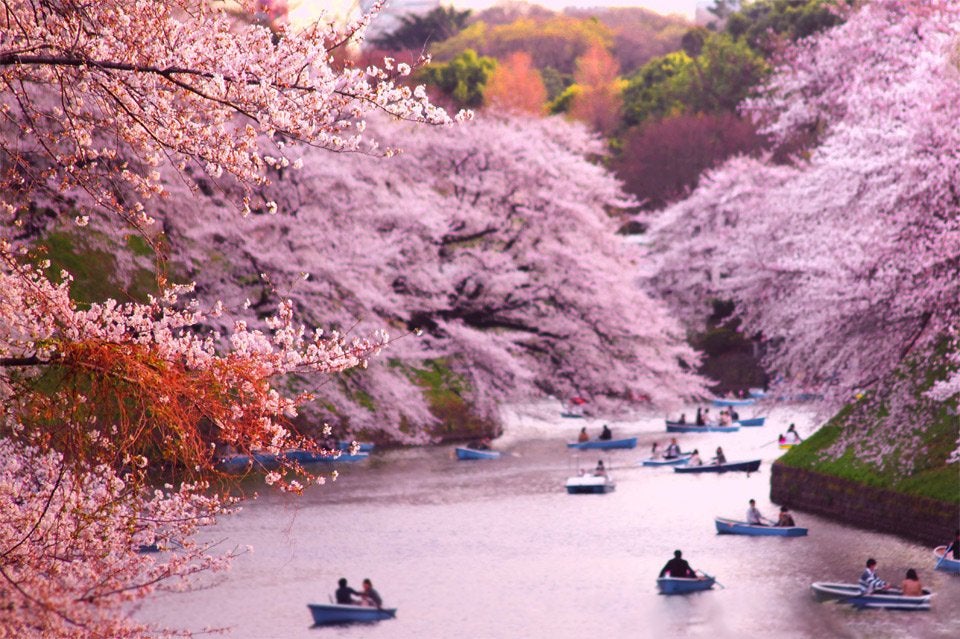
{"x":462,"y":79}
{"x":763,"y":23}
{"x":416,"y":31}
{"x":655,"y":90}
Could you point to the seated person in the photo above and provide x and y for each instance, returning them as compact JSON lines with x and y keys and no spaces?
{"x":369,"y":596}
{"x":600,"y":470}
{"x":869,"y":581}
{"x":605,"y":433}
{"x":753,"y":514}
{"x":911,"y":586}
{"x":673,"y":450}
{"x":695,"y":459}
{"x":678,"y":567}
{"x":345,"y":593}
{"x":720,"y":458}
{"x":583,"y":436}
{"x":785,"y":519}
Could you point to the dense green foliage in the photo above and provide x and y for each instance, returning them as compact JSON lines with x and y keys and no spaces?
{"x":462,"y":79}
{"x":417,"y":31}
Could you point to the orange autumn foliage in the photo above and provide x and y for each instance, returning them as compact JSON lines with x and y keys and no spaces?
{"x":516,"y":86}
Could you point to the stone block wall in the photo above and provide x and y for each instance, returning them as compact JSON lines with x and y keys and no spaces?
{"x":919,"y":519}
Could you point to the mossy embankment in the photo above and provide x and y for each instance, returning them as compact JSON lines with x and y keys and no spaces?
{"x":883,"y":461}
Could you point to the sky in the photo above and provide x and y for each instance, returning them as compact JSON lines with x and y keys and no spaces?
{"x":305,"y":9}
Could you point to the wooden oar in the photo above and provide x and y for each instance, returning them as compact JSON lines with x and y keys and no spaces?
{"x":943,"y":556}
{"x":703,"y":574}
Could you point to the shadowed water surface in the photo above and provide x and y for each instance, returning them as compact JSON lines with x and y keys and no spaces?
{"x":498,"y":549}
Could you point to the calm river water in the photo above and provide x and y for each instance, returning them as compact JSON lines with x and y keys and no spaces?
{"x":498,"y":549}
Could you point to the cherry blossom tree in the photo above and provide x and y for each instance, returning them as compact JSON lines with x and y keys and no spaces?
{"x":99,"y":401}
{"x":501,"y":254}
{"x":846,"y":258}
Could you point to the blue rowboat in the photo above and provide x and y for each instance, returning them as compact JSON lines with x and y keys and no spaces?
{"x":746,"y":466}
{"x":734,"y":402}
{"x":239,"y":463}
{"x":757,"y":393}
{"x":309,"y":457}
{"x":660,"y":461}
{"x":683,"y":585}
{"x":324,"y":614}
{"x":629,"y":442}
{"x":752,"y":421}
{"x":362,"y":447}
{"x":472,"y":453}
{"x":589,"y":484}
{"x":947,"y":564}
{"x":731,"y":527}
{"x":677,"y":427}
{"x":890,"y":599}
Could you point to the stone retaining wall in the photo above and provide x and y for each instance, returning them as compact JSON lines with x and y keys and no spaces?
{"x":920,"y":519}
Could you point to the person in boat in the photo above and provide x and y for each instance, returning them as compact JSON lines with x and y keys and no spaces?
{"x":781,"y":439}
{"x":482,"y":444}
{"x":707,"y":417}
{"x":345,"y":594}
{"x":754,"y":517}
{"x":911,"y":585}
{"x":369,"y":596}
{"x":792,"y":436}
{"x":605,"y":434}
{"x":785,"y":519}
{"x":678,"y":567}
{"x":719,"y":458}
{"x":583,"y":437}
{"x":653,"y":450}
{"x":673,"y":450}
{"x":695,"y":459}
{"x":683,"y":418}
{"x":725,"y":418}
{"x":700,"y":419}
{"x":954,"y":546}
{"x":869,"y":581}
{"x":734,"y":415}
{"x":600,"y":470}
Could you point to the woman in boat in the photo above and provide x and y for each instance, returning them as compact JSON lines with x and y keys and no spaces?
{"x":911,"y":585}
{"x":369,"y":596}
{"x":785,"y":519}
{"x":583,"y":437}
{"x":719,"y":458}
{"x":695,"y":459}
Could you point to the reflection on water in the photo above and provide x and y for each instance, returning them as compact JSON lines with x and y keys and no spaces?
{"x":498,"y":549}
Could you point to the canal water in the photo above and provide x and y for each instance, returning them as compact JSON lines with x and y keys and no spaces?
{"x":497,"y":549}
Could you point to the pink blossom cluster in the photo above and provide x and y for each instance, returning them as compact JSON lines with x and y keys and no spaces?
{"x":845,"y":258}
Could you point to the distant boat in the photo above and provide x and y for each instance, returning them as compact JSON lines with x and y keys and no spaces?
{"x":683,"y":585}
{"x":473,"y":453}
{"x":310,"y":457}
{"x":757,"y":393}
{"x":677,"y":427}
{"x":945,"y":563}
{"x":629,"y":442}
{"x":590,"y":484}
{"x":787,"y":446}
{"x":661,"y":461}
{"x":747,"y":466}
{"x":324,"y":614}
{"x":362,"y":447}
{"x":752,"y":421}
{"x":732,"y":527}
{"x":240,"y":462}
{"x":890,"y":599}
{"x":719,"y":401}
{"x":571,"y":414}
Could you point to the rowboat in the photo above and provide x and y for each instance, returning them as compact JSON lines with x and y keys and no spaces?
{"x":682,"y":585}
{"x":362,"y":447}
{"x":661,"y":461}
{"x":571,"y":415}
{"x":752,"y":421}
{"x":309,"y":457}
{"x":677,"y":427}
{"x":629,"y":442}
{"x":786,"y":446}
{"x":732,"y":527}
{"x":945,"y":563}
{"x":734,"y":402}
{"x":587,"y":484}
{"x":473,"y":453}
{"x":324,"y":614}
{"x":239,"y":462}
{"x":747,"y":466}
{"x":890,"y":599}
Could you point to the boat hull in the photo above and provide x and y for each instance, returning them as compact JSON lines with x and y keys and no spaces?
{"x":325,"y":614}
{"x":732,"y":527}
{"x":676,"y":427}
{"x":628,"y":442}
{"x":947,"y":564}
{"x":682,"y":586}
{"x":752,"y":421}
{"x":470,"y":454}
{"x":590,"y":485}
{"x":308,"y":457}
{"x":659,"y":461}
{"x":734,"y":402}
{"x":891,"y":599}
{"x":362,"y":447}
{"x":743,"y":466}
